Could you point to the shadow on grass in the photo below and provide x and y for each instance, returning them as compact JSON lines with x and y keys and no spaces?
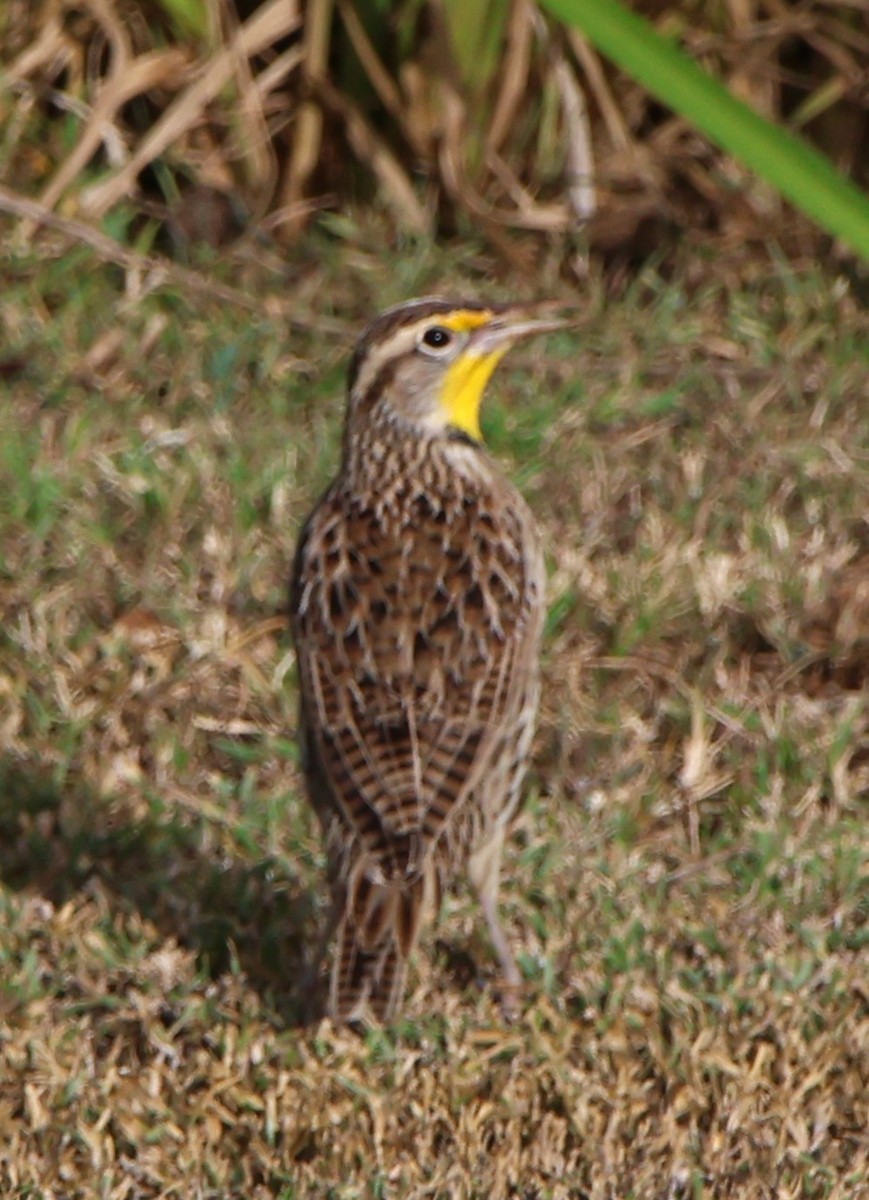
{"x":55,"y":840}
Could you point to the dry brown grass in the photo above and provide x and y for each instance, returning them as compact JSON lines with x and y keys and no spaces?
{"x":687,"y":885}
{"x":492,"y":117}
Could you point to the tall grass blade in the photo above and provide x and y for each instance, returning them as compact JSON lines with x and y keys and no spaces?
{"x":805,"y":177}
{"x":189,"y":17}
{"x":476,"y":32}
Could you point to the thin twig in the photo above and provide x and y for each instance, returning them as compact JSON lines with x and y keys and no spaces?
{"x":110,"y":250}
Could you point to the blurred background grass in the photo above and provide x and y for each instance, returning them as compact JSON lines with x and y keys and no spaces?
{"x":463,"y":115}
{"x":687,"y":885}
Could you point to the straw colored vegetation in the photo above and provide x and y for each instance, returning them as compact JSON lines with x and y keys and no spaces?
{"x":687,"y":885}
{"x":481,"y":113}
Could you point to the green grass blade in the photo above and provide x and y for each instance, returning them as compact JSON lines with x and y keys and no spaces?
{"x":476,"y":32}
{"x":189,"y":17}
{"x":801,"y":174}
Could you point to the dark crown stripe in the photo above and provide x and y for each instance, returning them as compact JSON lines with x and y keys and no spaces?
{"x":383,"y":327}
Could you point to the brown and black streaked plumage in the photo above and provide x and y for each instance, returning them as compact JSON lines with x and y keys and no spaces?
{"x":417,"y":605}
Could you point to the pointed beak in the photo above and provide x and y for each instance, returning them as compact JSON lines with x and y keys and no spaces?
{"x":514,"y":324}
{"x":467,"y":376}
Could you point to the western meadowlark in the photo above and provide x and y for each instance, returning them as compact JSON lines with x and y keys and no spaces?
{"x":417,"y":604}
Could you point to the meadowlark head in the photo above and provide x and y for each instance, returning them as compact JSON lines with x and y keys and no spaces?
{"x":426,"y":363}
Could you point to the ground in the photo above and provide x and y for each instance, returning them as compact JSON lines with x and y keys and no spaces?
{"x":687,"y":886}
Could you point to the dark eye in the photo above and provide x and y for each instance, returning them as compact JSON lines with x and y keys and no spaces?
{"x":437,"y":337}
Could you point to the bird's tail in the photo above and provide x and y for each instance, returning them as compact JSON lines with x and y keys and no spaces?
{"x":376,"y":934}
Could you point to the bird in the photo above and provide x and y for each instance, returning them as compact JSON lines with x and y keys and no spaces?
{"x":417,"y":604}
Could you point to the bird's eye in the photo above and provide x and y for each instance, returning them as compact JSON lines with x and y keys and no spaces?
{"x":437,"y":338}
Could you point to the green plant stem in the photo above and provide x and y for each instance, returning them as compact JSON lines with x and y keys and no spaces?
{"x":801,"y":174}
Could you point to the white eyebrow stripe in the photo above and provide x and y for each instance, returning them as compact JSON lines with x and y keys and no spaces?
{"x":399,"y":343}
{"x":403,"y":339}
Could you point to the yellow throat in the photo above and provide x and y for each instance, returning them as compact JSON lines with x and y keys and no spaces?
{"x":466,"y":379}
{"x":463,"y":389}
